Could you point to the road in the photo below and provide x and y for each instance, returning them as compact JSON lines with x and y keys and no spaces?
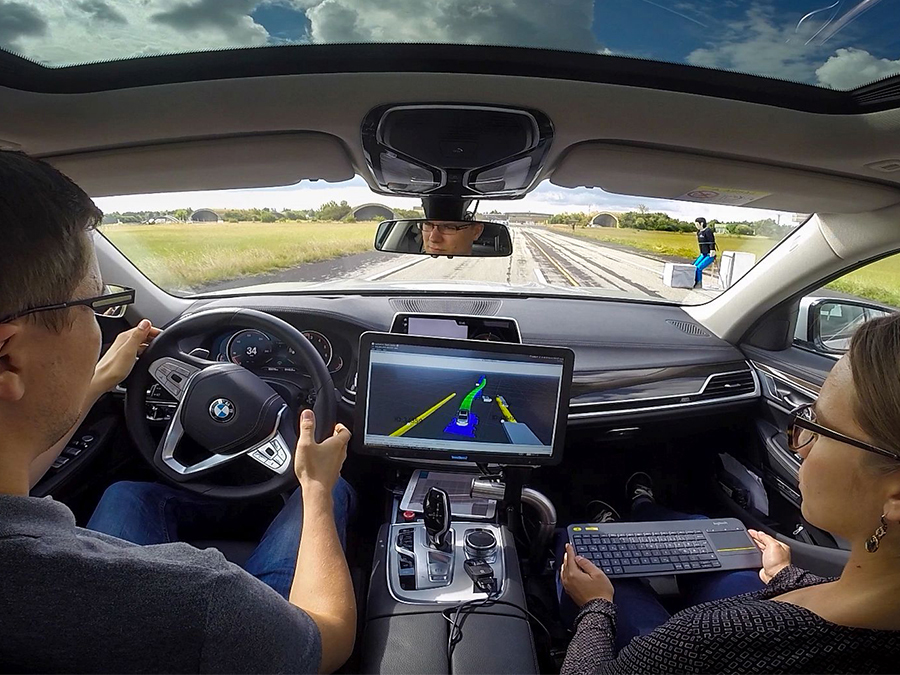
{"x":547,"y":257}
{"x":541,"y":256}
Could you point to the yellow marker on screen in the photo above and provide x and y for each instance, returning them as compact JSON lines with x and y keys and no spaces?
{"x":409,"y":425}
{"x":506,"y":414}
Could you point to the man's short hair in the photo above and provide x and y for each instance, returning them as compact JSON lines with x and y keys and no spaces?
{"x":44,"y":245}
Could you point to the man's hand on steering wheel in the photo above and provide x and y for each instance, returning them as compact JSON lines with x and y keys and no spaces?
{"x":119,"y":359}
{"x":319,"y":463}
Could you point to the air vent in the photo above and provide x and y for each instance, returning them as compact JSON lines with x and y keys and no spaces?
{"x":729,"y":384}
{"x":688,"y":327}
{"x":475,"y":307}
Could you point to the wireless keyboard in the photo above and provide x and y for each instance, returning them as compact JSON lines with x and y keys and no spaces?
{"x":666,"y":547}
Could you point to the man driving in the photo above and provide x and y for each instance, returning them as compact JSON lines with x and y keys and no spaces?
{"x":77,"y":600}
{"x":446,"y":237}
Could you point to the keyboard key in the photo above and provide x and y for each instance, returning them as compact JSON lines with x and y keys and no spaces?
{"x":654,"y":561}
{"x":607,"y":570}
{"x":618,"y":570}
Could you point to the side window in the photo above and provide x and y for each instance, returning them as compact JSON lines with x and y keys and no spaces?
{"x":829,"y":317}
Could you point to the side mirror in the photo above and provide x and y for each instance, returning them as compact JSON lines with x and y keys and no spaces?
{"x":827,"y":324}
{"x":468,"y":238}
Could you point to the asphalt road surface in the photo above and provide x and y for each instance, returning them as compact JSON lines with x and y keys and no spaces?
{"x":547,"y":257}
{"x":541,"y":256}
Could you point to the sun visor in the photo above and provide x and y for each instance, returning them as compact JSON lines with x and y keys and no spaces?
{"x":213,"y":164}
{"x":649,"y":172}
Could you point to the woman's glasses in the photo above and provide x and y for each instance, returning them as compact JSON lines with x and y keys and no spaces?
{"x":803,"y":429}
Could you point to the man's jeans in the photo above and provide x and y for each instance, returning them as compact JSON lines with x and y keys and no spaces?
{"x":638,"y":610}
{"x":152,"y":513}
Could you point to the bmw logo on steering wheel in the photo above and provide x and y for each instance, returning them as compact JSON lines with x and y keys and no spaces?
{"x":221,"y":410}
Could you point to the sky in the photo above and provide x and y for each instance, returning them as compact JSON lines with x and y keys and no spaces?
{"x":831,"y":43}
{"x":546,"y":198}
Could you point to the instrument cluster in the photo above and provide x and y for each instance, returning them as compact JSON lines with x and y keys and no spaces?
{"x":255,"y":350}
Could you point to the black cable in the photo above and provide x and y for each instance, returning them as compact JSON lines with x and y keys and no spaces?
{"x":466,"y":609}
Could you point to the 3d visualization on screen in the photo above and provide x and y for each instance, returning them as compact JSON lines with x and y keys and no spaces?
{"x":461,"y":399}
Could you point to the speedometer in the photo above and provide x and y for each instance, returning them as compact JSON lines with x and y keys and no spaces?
{"x":321,"y":343}
{"x":250,"y":348}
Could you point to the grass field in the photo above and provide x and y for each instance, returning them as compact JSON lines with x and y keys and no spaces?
{"x":678,"y":244}
{"x":878,"y":281}
{"x":183,"y":256}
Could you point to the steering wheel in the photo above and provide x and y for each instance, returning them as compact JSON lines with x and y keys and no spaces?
{"x":225,"y":409}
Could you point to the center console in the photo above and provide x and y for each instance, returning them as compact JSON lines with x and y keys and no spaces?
{"x":468,"y":403}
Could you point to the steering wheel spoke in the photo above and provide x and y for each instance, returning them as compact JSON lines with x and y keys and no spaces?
{"x":272,"y":452}
{"x":173,"y":374}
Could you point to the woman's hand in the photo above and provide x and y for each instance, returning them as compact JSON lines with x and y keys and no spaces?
{"x":583,"y":580}
{"x":775,"y":555}
{"x":119,"y":359}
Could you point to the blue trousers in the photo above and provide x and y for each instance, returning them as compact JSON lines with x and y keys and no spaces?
{"x":152,"y":513}
{"x":638,"y":609}
{"x":701,"y":263}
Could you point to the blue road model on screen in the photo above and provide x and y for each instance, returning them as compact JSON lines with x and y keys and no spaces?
{"x":451,"y":399}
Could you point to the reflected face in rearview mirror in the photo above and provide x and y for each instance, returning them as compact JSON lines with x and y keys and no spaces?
{"x":444,"y":238}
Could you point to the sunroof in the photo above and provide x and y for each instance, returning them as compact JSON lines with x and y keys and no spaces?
{"x":838,"y":44}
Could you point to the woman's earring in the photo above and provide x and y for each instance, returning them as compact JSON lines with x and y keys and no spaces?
{"x":873,"y":542}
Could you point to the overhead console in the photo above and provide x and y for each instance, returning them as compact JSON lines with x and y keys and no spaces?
{"x":452,"y":150}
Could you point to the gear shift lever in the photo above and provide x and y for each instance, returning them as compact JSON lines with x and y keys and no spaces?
{"x":437,"y":517}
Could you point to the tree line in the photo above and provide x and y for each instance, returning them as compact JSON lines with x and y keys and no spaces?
{"x":329,"y":211}
{"x":643,"y":219}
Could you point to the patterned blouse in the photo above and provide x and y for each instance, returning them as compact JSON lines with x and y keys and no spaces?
{"x":745,"y":634}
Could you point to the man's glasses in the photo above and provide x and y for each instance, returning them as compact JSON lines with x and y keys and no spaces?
{"x":803,"y":430}
{"x":443,"y":228}
{"x":111,"y":304}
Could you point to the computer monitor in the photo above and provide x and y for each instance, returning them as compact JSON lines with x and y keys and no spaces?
{"x":461,"y":400}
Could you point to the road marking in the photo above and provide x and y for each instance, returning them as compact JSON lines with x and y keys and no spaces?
{"x":409,"y":425}
{"x":506,"y":413}
{"x":541,"y":279}
{"x":559,"y":267}
{"x":399,"y":268}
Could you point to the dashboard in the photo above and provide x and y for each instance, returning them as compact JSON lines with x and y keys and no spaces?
{"x":633,"y":360}
{"x":257,"y":351}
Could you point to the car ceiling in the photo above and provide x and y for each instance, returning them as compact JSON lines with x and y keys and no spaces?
{"x":133,"y":126}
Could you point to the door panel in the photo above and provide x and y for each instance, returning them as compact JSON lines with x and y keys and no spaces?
{"x":790,"y":378}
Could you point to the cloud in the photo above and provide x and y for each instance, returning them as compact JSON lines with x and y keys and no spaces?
{"x":761,"y":45}
{"x":851,"y":68}
{"x":561,"y":24}
{"x":61,"y":32}
{"x":18,"y":20}
{"x":67,"y":32}
{"x":101,"y":11}
{"x":771,"y":44}
{"x":231,"y":17}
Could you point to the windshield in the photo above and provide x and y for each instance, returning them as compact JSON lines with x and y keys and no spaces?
{"x":838,"y":45}
{"x":315,"y":236}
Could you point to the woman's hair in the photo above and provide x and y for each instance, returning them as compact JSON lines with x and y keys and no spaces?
{"x":875,"y":364}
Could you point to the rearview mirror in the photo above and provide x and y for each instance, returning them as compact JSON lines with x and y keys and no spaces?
{"x":830,"y":323}
{"x":467,"y":238}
